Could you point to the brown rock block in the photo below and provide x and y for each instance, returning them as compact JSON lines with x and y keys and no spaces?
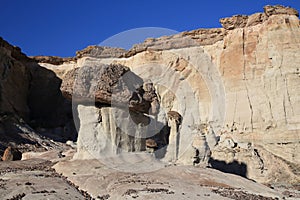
{"x":11,"y":154}
{"x":175,"y":115}
{"x":150,"y":143}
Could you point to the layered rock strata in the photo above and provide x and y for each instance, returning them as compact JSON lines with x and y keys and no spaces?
{"x":241,"y":79}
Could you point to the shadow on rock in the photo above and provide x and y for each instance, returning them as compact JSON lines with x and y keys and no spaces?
{"x":233,"y":168}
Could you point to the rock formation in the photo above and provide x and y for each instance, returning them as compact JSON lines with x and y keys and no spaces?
{"x":241,"y":79}
{"x":174,"y":122}
{"x":11,"y":154}
{"x":112,"y":103}
{"x":100,"y":52}
{"x":29,"y":98}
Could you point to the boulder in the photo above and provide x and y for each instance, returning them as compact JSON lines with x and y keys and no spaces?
{"x":11,"y":154}
{"x":112,"y":85}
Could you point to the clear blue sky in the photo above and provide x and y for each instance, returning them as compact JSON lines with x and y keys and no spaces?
{"x":60,"y":27}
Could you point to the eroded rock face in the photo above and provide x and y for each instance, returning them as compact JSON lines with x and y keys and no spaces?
{"x":29,"y":90}
{"x":15,"y":80}
{"x":109,"y":131}
{"x":253,"y":161}
{"x":55,"y":60}
{"x":238,"y":21}
{"x":174,"y":122}
{"x":251,"y":62}
{"x":100,"y":52}
{"x":241,"y":21}
{"x":29,"y":97}
{"x":111,"y":102}
{"x":110,"y":84}
{"x":280,"y":10}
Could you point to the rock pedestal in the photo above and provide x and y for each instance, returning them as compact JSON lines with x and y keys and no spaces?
{"x":174,"y":121}
{"x":202,"y":150}
{"x":108,"y":131}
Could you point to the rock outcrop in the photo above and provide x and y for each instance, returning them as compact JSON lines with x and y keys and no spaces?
{"x":30,"y":98}
{"x":241,"y":21}
{"x":241,"y":79}
{"x":280,"y":10}
{"x":112,"y":85}
{"x":100,"y":52}
{"x":54,"y":60}
{"x":174,"y":122}
{"x":113,"y":106}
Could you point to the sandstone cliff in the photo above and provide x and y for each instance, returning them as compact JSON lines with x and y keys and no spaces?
{"x":30,"y":97}
{"x":242,"y":80}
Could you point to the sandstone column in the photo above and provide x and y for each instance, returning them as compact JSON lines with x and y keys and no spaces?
{"x":174,"y":121}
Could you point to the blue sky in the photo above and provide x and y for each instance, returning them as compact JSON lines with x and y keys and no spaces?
{"x":60,"y":27}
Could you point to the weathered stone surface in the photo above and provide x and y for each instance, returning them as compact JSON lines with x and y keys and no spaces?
{"x":174,"y":121}
{"x":15,"y":80}
{"x":97,"y":83}
{"x":243,"y":81}
{"x":34,"y":179}
{"x":181,"y":40}
{"x":100,"y":52}
{"x":29,"y":94}
{"x":26,"y":88}
{"x":202,"y":151}
{"x":171,"y":182}
{"x":258,"y":70}
{"x":108,"y":131}
{"x":150,"y":143}
{"x":256,"y":19}
{"x":110,"y":84}
{"x":280,"y":10}
{"x":237,"y":21}
{"x":258,"y":163}
{"x":8,"y":155}
{"x":55,"y":60}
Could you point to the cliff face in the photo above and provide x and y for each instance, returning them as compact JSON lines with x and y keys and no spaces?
{"x":243,"y":80}
{"x":30,"y":97}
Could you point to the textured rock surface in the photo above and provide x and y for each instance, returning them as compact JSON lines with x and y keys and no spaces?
{"x":110,"y":84}
{"x":55,"y":60}
{"x":237,"y":21}
{"x":172,"y":182}
{"x":100,"y":52}
{"x":279,"y":10}
{"x":262,"y":165}
{"x":174,"y":122}
{"x":27,"y":87}
{"x":14,"y":82}
{"x":109,"y":131}
{"x":34,"y":179}
{"x":30,"y":97}
{"x":243,"y":81}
